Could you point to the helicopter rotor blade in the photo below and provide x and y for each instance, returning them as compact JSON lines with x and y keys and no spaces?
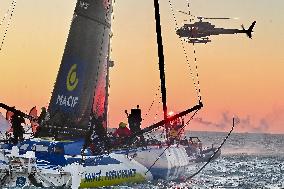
{"x":208,"y":18}
{"x":187,"y":13}
{"x":184,"y":13}
{"x":216,"y":18}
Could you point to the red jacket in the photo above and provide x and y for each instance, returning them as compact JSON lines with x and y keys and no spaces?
{"x":122,"y":132}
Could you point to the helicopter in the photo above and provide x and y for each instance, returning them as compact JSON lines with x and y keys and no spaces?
{"x":198,"y":32}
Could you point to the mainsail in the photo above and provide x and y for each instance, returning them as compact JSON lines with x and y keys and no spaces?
{"x":81,"y":85}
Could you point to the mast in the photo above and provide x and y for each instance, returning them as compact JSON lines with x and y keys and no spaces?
{"x":161,"y":64}
{"x":167,"y":119}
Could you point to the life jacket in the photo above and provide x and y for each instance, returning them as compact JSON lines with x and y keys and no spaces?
{"x":122,"y":132}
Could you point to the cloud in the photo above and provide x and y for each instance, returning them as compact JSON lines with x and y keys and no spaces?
{"x":276,"y":116}
{"x":209,"y":123}
{"x":262,"y":127}
{"x":244,"y":123}
{"x":221,"y":125}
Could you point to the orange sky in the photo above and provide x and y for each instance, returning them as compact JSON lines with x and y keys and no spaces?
{"x":238,"y":76}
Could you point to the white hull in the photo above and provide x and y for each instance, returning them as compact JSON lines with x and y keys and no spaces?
{"x":115,"y":168}
{"x":94,"y":171}
{"x":165,"y":162}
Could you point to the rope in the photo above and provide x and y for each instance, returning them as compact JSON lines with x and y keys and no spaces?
{"x":149,"y":109}
{"x":189,"y":12}
{"x":197,"y":75}
{"x":216,"y":151}
{"x":196,"y":86}
{"x":157,"y":111}
{"x":194,"y":53}
{"x":6,"y":14}
{"x":112,"y":23}
{"x":13,"y":5}
{"x":188,"y":5}
{"x":209,"y":160}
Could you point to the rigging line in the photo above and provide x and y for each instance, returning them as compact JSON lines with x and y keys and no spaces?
{"x":9,"y":22}
{"x":112,"y":11}
{"x":216,"y":151}
{"x":194,"y":52}
{"x":189,"y":12}
{"x":196,"y":86}
{"x":197,"y":74}
{"x":149,"y":109}
{"x":6,"y":14}
{"x":188,"y":4}
{"x":158,"y":110}
{"x":174,"y":139}
{"x":112,"y":23}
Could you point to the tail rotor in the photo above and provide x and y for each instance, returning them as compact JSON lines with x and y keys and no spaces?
{"x":250,"y":30}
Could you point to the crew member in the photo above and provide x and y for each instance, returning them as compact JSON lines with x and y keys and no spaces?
{"x":99,"y":136}
{"x":176,"y":130}
{"x":9,"y":115}
{"x":18,"y":130}
{"x":122,"y":131}
{"x":134,"y":120}
{"x":96,"y":138}
{"x":33,"y":120}
{"x":42,"y":115}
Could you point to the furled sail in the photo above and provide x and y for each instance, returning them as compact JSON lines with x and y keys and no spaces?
{"x":81,"y":85}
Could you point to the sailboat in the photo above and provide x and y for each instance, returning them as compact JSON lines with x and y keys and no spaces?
{"x":60,"y":154}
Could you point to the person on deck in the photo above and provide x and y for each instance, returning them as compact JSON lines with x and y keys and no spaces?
{"x":122,"y":134}
{"x":9,"y":116}
{"x":176,"y":130}
{"x":33,"y":120}
{"x":18,"y":130}
{"x":99,"y":137}
{"x":42,"y":115}
{"x":122,"y":131}
{"x":96,"y":138}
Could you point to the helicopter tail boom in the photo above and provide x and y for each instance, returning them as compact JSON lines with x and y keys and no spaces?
{"x":250,"y":30}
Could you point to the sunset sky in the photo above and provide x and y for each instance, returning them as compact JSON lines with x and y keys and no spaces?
{"x":238,"y":76}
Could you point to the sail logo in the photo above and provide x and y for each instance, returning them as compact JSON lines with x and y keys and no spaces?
{"x":72,"y":79}
{"x":70,"y":101}
{"x":69,"y":89}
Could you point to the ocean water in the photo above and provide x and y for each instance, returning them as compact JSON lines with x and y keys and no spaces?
{"x":248,"y":161}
